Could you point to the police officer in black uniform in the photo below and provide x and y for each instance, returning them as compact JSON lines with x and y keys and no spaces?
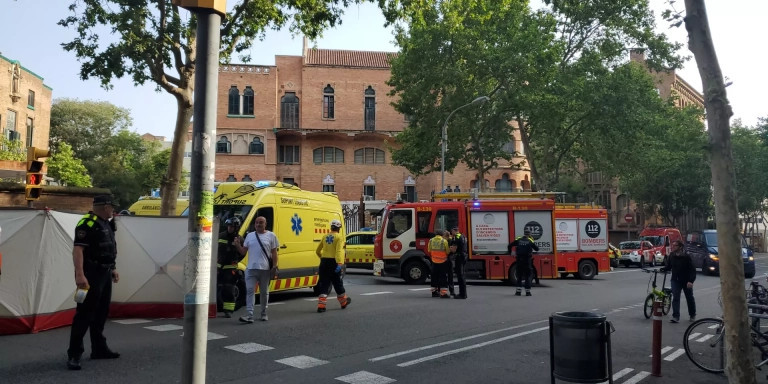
{"x":94,"y":254}
{"x":228,"y":275}
{"x":524,"y":260}
{"x":459,"y":251}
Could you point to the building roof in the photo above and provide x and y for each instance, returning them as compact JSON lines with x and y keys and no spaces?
{"x":344,"y":58}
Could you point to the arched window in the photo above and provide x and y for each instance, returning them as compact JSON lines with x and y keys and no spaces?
{"x":256,"y":147}
{"x":223,"y":145}
{"x":370,"y":109}
{"x":503,"y":184}
{"x":234,"y":101}
{"x":247,"y":177}
{"x":369,"y":156}
{"x":289,"y":111}
{"x":231,"y":177}
{"x":328,"y":102}
{"x":327,"y":155}
{"x":248,"y":101}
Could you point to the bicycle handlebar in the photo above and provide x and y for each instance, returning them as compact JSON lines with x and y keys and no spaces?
{"x":654,"y":270}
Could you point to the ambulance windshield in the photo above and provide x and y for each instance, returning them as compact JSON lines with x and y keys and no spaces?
{"x":224,"y":212}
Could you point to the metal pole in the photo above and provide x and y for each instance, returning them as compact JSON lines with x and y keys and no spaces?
{"x":656,"y":344}
{"x":197,"y":268}
{"x":442,"y":152}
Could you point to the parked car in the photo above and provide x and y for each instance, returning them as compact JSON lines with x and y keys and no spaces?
{"x":636,"y":252}
{"x":702,"y":246}
{"x":359,"y":250}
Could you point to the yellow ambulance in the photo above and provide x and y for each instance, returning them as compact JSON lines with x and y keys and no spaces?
{"x":298,"y":218}
{"x":150,"y":206}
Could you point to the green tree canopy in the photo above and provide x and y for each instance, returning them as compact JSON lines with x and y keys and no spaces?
{"x":65,"y":168}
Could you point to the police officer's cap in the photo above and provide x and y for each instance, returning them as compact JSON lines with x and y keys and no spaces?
{"x":103,"y":200}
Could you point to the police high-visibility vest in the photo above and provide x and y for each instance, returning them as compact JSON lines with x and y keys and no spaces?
{"x":438,"y":249}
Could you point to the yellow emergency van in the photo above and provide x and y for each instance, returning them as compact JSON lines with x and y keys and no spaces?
{"x":298,"y":218}
{"x":150,"y":206}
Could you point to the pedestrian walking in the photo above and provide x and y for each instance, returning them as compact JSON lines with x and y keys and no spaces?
{"x":680,"y":263}
{"x":331,"y":254}
{"x":228,"y":275}
{"x":94,"y":255}
{"x":458,"y":247}
{"x":524,"y":247}
{"x":438,"y":253}
{"x":261,"y":246}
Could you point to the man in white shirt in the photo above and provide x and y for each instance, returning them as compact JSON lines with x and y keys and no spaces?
{"x":261,"y":246}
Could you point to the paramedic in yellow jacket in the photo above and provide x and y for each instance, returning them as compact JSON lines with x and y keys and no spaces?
{"x":438,"y":253}
{"x":331,"y":254}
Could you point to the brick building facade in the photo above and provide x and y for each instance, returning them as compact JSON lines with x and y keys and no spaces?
{"x":324,"y":121}
{"x":25,"y":111}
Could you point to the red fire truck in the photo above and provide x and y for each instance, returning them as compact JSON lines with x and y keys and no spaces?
{"x":571,"y":239}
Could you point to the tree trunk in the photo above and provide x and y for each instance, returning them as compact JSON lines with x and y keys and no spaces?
{"x":170,"y":186}
{"x":740,"y":368}
{"x":531,"y":163}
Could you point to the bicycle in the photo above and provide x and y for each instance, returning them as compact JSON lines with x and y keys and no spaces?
{"x":703,"y":339}
{"x":664,"y":295}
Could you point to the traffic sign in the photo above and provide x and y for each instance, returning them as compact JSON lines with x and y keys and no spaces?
{"x":629,"y":217}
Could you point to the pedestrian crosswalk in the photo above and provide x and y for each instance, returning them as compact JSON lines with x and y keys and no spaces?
{"x":625,"y":375}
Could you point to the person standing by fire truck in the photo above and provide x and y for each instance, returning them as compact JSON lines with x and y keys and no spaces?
{"x":524,"y":260}
{"x":458,"y":246}
{"x":438,"y":253}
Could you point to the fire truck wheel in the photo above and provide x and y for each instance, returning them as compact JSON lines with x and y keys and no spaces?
{"x":415,"y":272}
{"x":587,"y":270}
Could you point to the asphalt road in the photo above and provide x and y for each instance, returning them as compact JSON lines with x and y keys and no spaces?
{"x":392,"y":332}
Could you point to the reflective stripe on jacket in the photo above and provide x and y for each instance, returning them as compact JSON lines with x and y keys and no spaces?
{"x":438,"y":249}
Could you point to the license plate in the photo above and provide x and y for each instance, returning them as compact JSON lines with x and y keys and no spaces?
{"x":377,"y":267}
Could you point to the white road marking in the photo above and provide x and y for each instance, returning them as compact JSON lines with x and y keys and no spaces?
{"x":419,"y":289}
{"x":365,"y":377}
{"x":278,"y":303}
{"x":694,"y":335}
{"x":375,"y":293}
{"x":454,"y":341}
{"x":705,"y":338}
{"x":132,"y":321}
{"x":622,"y":271}
{"x":674,"y":355}
{"x":636,"y":378}
{"x":713,"y":326}
{"x":467,"y":348}
{"x":663,"y":351}
{"x":302,"y":362}
{"x":165,"y":327}
{"x":622,"y":373}
{"x":248,"y":347}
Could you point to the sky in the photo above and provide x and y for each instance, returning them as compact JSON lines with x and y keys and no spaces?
{"x":36,"y":43}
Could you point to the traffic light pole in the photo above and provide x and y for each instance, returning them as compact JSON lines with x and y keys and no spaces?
{"x":197,"y":268}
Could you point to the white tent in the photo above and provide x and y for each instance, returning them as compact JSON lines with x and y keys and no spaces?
{"x":37,"y":284}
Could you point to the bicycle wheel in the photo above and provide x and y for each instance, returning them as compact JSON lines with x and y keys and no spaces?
{"x":705,"y":345}
{"x":666,"y":304}
{"x":648,"y":306}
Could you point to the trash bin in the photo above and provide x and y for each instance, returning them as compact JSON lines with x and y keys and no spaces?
{"x":580,"y":347}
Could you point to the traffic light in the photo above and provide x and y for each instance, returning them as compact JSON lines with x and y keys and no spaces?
{"x":35,"y":172}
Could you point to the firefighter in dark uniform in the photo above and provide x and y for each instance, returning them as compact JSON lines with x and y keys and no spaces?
{"x":458,"y":246}
{"x":94,"y":254}
{"x":524,"y":260}
{"x":228,"y":275}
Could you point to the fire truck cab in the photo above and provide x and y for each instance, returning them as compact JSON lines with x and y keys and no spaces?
{"x":489,"y":227}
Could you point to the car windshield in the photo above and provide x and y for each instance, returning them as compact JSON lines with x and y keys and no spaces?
{"x":630,"y":245}
{"x":655,"y":240}
{"x":712,"y":240}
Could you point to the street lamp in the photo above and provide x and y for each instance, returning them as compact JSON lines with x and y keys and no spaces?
{"x":479,"y":100}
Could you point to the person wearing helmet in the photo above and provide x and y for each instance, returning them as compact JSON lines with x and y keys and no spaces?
{"x":331,"y":254}
{"x":524,"y":247}
{"x":228,"y":276}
